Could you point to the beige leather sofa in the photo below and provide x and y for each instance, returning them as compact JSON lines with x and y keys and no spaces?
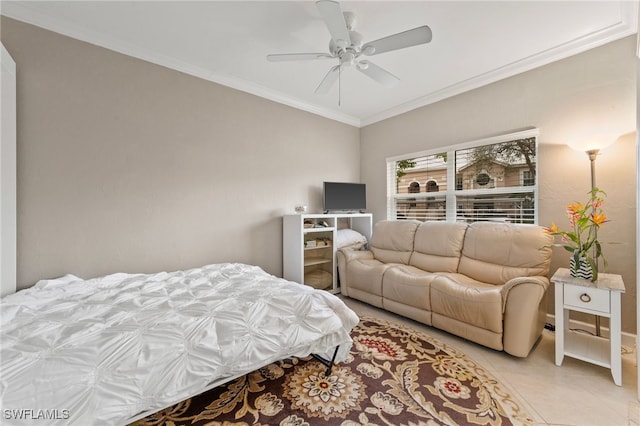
{"x":485,"y":282}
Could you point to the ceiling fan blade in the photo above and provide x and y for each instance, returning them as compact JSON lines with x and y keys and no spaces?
{"x":334,"y":19}
{"x":278,"y":57}
{"x":328,"y":80}
{"x":401,"y":40}
{"x":378,"y":74}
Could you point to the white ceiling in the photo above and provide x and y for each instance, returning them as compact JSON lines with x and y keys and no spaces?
{"x":474,"y":43}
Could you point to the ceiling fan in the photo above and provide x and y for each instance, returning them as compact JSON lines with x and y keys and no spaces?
{"x":347,"y":46}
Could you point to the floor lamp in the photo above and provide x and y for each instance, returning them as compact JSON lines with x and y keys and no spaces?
{"x":592,"y":147}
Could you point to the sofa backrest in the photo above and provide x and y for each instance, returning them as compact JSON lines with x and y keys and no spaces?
{"x":496,"y":252}
{"x":437,"y":246}
{"x":392,"y":240}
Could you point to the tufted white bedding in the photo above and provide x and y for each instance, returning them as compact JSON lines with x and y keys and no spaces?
{"x":106,"y":350}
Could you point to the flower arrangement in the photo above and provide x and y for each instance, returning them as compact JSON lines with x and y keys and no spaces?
{"x":582,"y":241}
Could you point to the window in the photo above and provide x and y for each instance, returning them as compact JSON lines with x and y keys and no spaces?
{"x":493,"y":180}
{"x":426,"y":204}
{"x":483,"y":179}
{"x":528,"y":178}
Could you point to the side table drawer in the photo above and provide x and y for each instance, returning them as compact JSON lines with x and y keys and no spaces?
{"x":593,"y":299}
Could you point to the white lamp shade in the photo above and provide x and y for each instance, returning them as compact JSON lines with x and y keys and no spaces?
{"x":593,"y":140}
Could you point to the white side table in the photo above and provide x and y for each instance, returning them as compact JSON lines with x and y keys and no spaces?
{"x":600,"y":298}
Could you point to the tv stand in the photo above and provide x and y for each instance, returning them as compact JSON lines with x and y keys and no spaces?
{"x":309,"y":252}
{"x":344,"y":212}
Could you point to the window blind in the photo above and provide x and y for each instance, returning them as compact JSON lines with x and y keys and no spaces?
{"x":419,"y":187}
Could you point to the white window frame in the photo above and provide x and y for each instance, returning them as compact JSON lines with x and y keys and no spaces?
{"x":450,"y":194}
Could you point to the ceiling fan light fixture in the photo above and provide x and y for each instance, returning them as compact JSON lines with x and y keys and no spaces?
{"x":369,"y":50}
{"x":363,"y":65}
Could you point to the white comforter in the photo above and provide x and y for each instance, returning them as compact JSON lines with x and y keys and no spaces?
{"x":104,"y":350}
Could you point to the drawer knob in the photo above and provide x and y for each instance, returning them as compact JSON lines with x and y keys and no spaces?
{"x":585,"y":298}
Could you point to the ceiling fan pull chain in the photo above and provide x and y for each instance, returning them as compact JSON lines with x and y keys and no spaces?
{"x":340,"y":86}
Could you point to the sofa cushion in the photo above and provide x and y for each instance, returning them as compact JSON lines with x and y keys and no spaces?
{"x":497,"y":252}
{"x":366,"y":275}
{"x":437,"y":246}
{"x":392,"y":240}
{"x":407,"y":285}
{"x":466,"y":300}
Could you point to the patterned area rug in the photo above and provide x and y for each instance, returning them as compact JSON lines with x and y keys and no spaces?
{"x":393,"y":376}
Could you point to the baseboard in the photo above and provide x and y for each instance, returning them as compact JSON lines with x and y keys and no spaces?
{"x":628,"y":339}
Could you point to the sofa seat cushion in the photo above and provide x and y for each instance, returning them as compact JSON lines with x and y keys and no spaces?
{"x":366,"y":275}
{"x":467,"y":300}
{"x":408,"y":285}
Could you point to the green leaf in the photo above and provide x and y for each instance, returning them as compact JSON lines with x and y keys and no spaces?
{"x":573,"y":237}
{"x":594,"y":269}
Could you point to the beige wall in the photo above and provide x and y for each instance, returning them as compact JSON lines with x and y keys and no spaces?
{"x":593,"y":89}
{"x":128,"y":166}
{"x":124,"y":165}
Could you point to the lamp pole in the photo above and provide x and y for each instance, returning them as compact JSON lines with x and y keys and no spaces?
{"x":593,"y":153}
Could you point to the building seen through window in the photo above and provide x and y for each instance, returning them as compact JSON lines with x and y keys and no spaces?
{"x":493,"y":181}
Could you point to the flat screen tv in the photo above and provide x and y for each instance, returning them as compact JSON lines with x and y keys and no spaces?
{"x":344,"y":196}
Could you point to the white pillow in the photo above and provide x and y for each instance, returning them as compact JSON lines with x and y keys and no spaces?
{"x":67,"y":279}
{"x":347,"y":237}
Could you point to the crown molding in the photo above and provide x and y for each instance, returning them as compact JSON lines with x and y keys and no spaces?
{"x":628,"y":24}
{"x":22,"y":11}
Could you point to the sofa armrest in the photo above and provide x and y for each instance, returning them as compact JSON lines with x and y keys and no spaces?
{"x":344,"y":256}
{"x":525,"y":308}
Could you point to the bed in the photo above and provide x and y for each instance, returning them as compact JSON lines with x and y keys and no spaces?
{"x":113,"y":349}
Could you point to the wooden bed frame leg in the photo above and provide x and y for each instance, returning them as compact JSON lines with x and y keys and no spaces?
{"x":326,"y":362}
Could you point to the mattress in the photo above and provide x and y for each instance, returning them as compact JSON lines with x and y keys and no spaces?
{"x":107,"y":350}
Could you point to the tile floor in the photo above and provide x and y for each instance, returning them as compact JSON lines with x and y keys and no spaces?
{"x":575,"y":394}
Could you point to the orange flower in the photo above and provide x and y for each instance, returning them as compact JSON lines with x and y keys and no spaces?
{"x":574,"y":208}
{"x":553,"y":229}
{"x":598,"y":218}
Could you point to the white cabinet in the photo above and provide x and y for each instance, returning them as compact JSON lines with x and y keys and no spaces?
{"x":309,"y":250}
{"x":600,"y":298}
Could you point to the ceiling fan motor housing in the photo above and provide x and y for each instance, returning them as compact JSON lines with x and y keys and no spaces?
{"x":347,"y":53}
{"x":335,"y":46}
